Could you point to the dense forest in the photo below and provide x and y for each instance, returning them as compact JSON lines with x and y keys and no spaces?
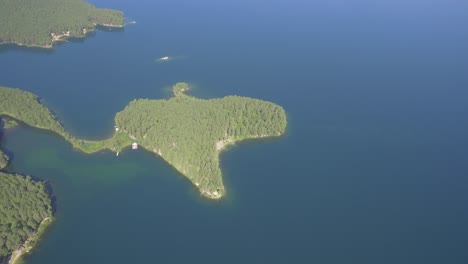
{"x":26,"y":107}
{"x":189,"y":132}
{"x":35,"y":22}
{"x":24,"y":204}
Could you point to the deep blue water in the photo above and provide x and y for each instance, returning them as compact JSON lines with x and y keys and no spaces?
{"x":373,"y":168}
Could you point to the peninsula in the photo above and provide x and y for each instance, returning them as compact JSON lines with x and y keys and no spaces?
{"x":41,"y":23}
{"x":25,"y":107}
{"x":187,"y":132}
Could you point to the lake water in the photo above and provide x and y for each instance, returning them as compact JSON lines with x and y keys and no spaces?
{"x":373,"y":168}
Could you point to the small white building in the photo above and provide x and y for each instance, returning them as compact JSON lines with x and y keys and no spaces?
{"x":134,"y":145}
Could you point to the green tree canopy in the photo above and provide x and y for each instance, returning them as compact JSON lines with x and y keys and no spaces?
{"x":189,"y":133}
{"x":32,"y":22}
{"x":24,"y":204}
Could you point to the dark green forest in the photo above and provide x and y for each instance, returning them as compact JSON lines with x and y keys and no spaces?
{"x":189,"y":132}
{"x":185,"y":131}
{"x":31,"y":22}
{"x":24,"y":204}
{"x":26,"y":107}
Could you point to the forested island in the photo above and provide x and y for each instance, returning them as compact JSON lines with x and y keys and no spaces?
{"x":187,"y":132}
{"x":40,"y":23}
{"x":25,"y":212}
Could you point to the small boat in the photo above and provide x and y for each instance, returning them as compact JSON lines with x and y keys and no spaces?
{"x":164,"y":58}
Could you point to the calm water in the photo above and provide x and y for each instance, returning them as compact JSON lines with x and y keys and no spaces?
{"x":373,"y":169}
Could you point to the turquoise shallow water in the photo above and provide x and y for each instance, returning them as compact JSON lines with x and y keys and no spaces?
{"x":373,"y":168}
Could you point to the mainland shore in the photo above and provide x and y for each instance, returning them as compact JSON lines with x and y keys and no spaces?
{"x":63,"y":37}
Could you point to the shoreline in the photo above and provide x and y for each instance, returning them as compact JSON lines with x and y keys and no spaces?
{"x":47,"y":47}
{"x":121,"y":140}
{"x":117,"y":142}
{"x":221,"y":146}
{"x":59,"y":38}
{"x":208,"y":181}
{"x":109,"y":25}
{"x":29,"y":244}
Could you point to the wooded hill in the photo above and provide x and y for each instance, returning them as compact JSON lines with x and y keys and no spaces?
{"x":189,"y":132}
{"x":31,"y":22}
{"x":24,"y":204}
